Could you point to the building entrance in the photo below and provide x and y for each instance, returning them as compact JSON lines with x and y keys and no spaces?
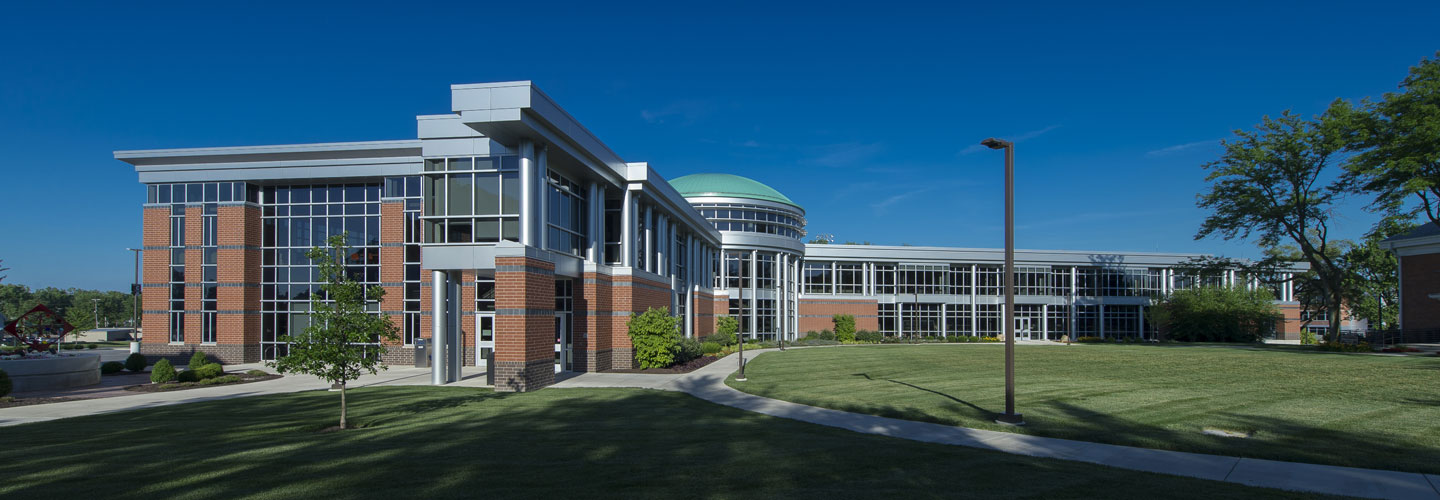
{"x":563,"y":354}
{"x":1022,"y":329}
{"x":484,"y":337}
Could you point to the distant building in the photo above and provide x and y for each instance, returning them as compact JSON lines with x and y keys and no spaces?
{"x":534,"y":243}
{"x":1419,"y":255}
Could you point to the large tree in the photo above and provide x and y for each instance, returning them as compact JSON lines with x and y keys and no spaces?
{"x":1279,"y":184}
{"x":1374,"y":281}
{"x":346,"y":338}
{"x":1397,"y":144}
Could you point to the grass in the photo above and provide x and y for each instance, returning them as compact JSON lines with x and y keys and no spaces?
{"x":437,"y":442}
{"x":1378,"y":412}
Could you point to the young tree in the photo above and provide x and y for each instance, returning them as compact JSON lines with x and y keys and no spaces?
{"x":345,"y":338}
{"x":727,"y":326}
{"x":1373,"y":287}
{"x":844,"y":327}
{"x":1397,"y":140}
{"x":1278,"y":184}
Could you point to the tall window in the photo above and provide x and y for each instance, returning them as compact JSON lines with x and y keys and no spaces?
{"x":1087,"y":321}
{"x":960,"y":280}
{"x":177,"y":271}
{"x":764,"y":271}
{"x":989,"y":320}
{"x":614,"y":209}
{"x":209,"y":248}
{"x":408,"y":189}
{"x":885,"y":279}
{"x":566,"y":215}
{"x":737,"y":267}
{"x":990,"y":281}
{"x":957,"y":319}
{"x":472,"y":199}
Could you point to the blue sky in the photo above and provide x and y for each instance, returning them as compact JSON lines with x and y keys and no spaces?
{"x":867,"y":114}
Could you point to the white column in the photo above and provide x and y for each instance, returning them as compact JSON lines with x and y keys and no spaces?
{"x":439,"y":320}
{"x":627,"y":230}
{"x":596,"y":229}
{"x":974,"y":306}
{"x":1045,"y":321}
{"x":649,"y":235}
{"x":754,"y":258}
{"x":542,"y":193}
{"x":527,"y":193}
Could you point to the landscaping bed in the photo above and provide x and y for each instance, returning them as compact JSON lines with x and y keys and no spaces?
{"x":226,"y":379}
{"x":687,"y":367}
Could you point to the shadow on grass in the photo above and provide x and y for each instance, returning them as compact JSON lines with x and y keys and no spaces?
{"x":428,"y":442}
{"x":981,"y":411}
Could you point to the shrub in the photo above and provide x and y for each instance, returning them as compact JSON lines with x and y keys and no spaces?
{"x":687,"y":349}
{"x":109,"y":367}
{"x":257,"y":373}
{"x":844,"y":327}
{"x":1338,"y":347}
{"x":1400,"y":348}
{"x":710,"y":348}
{"x":5,"y":384}
{"x":655,"y":335}
{"x":868,"y":336}
{"x":161,"y":373}
{"x":136,"y":363}
{"x":227,"y":379}
{"x":1307,"y":337}
{"x":91,"y":346}
{"x":1219,"y":314}
{"x":719,"y":338}
{"x":1089,"y":340}
{"x":198,"y":360}
{"x":188,"y":376}
{"x":726,"y":327}
{"x":209,"y":370}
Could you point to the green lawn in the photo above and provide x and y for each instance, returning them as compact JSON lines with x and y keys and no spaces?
{"x":426,"y":442}
{"x":1343,"y":409}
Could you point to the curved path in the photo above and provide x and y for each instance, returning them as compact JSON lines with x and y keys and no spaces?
{"x":708,"y":383}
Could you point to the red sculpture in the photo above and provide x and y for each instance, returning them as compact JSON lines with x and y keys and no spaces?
{"x":39,"y":325}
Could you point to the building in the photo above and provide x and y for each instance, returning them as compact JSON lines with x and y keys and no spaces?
{"x":506,"y":235}
{"x":1418,"y":253}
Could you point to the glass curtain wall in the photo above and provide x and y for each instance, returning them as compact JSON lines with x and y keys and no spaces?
{"x":472,"y":199}
{"x":295,"y":219}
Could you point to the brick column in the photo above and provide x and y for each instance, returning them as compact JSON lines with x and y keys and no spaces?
{"x":524,"y":324}
{"x":155,"y":279}
{"x":594,"y":311}
{"x":237,"y":333}
{"x":392,"y":276}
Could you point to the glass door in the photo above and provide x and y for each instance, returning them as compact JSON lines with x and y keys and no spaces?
{"x":1022,"y":328}
{"x":484,"y":337}
{"x":562,"y":343}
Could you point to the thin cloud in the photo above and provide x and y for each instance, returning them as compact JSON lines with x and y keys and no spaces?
{"x":881,"y":205}
{"x":976,"y":148}
{"x":843,"y":154}
{"x":683,"y":112}
{"x":1180,"y":148}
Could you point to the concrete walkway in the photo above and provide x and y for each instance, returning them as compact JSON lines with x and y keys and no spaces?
{"x":708,"y":383}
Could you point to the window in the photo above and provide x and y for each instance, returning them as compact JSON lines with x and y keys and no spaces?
{"x":471,"y":199}
{"x":849,"y":278}
{"x":754,"y":219}
{"x":922,"y":319}
{"x":566,"y":215}
{"x":614,"y":210}
{"x":1087,"y":321}
{"x":1058,"y":321}
{"x":764,"y":270}
{"x":297,"y":217}
{"x":923,"y":279}
{"x":818,"y":278}
{"x":886,"y":313}
{"x":1122,"y":321}
{"x":989,"y":320}
{"x":957,"y":319}
{"x":1032,"y":280}
{"x":177,"y":272}
{"x":737,"y":267}
{"x":989,"y":281}
{"x":885,"y":279}
{"x":960,"y":280}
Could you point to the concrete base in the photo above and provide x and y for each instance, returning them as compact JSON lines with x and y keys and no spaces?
{"x":27,"y":375}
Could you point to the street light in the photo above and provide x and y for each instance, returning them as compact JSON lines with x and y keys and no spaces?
{"x":1009,"y":417}
{"x":135,"y":304}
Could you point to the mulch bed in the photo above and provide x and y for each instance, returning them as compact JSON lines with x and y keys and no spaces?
{"x":694,"y":364}
{"x":182,"y":386}
{"x":13,"y":402}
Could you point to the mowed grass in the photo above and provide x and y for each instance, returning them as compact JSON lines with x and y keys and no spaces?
{"x":1302,"y":406}
{"x":429,"y":442}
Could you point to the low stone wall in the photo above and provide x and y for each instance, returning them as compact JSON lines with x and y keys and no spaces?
{"x":55,"y":373}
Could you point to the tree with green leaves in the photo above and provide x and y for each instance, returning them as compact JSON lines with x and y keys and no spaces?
{"x":346,"y":336}
{"x":1396,"y":141}
{"x":1373,"y":288}
{"x":844,"y":327}
{"x":1280,"y":184}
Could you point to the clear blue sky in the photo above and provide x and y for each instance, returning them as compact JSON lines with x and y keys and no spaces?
{"x":866,"y":114}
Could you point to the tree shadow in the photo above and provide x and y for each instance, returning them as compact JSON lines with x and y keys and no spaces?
{"x":932,"y":391}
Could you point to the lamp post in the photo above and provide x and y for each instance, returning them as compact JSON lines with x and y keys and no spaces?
{"x":135,"y":305}
{"x":1009,"y":417}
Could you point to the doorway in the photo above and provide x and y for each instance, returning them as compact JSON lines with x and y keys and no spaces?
{"x":484,"y":337}
{"x":1022,"y":328}
{"x":564,"y":361}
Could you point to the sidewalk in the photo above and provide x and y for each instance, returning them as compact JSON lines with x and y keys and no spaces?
{"x":708,"y":383}
{"x":290,"y":383}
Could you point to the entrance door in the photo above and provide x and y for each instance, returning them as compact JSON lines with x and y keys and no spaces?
{"x":484,"y":337}
{"x":1022,"y":328}
{"x":563,"y":361}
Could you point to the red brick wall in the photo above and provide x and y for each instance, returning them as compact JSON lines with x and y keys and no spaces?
{"x":155,"y":274}
{"x":524,"y":324}
{"x":1419,"y":277}
{"x":392,"y":270}
{"x":1288,"y":328}
{"x":707,"y":309}
{"x":816,"y":314}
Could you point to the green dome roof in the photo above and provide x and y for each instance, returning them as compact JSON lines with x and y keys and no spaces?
{"x":727,"y":185}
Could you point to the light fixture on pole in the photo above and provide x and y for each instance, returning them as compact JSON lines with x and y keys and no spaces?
{"x":135,"y":304}
{"x":1009,"y":417}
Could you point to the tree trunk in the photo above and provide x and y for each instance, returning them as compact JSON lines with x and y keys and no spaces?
{"x":342,"y":405}
{"x":1335,"y":318}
